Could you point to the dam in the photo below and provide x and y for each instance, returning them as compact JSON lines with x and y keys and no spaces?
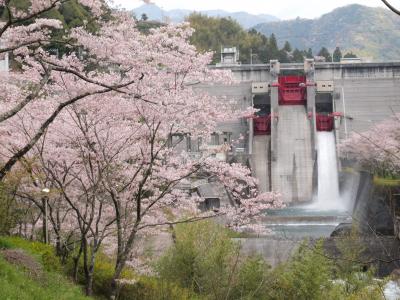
{"x":305,"y":111}
{"x":299,"y":104}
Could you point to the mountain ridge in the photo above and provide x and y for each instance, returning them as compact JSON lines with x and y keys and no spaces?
{"x":366,"y":31}
{"x":245,"y":19}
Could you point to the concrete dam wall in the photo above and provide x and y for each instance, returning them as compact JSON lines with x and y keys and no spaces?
{"x":280,"y":143}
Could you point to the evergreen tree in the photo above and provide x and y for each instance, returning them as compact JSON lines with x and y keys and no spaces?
{"x":298,"y":56}
{"x":273,"y":47}
{"x":284,"y":56}
{"x":324,"y":52}
{"x":309,"y":53}
{"x":287,"y":47}
{"x":337,"y":55}
{"x":144,"y":17}
{"x":350,"y":55}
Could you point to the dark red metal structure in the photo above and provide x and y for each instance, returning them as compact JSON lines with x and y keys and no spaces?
{"x":292,"y":90}
{"x":262,"y":125}
{"x":325,"y":122}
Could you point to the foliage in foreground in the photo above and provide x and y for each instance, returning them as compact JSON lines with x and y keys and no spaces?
{"x":205,"y":260}
{"x":133,"y":286}
{"x":57,"y":287}
{"x":204,"y":263}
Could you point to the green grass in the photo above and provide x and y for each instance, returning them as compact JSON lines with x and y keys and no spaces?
{"x":45,"y":254}
{"x":16,"y":283}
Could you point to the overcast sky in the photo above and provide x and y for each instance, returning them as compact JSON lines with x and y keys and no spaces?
{"x":284,"y":9}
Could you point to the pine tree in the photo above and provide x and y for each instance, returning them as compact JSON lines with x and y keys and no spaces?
{"x":273,"y":47}
{"x":326,"y":54}
{"x":287,"y":47}
{"x":337,"y":55}
{"x":309,"y":53}
{"x":298,"y":56}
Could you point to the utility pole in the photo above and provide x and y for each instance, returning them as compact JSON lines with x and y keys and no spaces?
{"x":251,"y":56}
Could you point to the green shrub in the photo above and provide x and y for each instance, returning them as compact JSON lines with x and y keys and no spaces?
{"x":4,"y":244}
{"x":144,"y":288}
{"x":8,"y":213}
{"x":311,"y":274}
{"x":151,"y":288}
{"x":205,"y":259}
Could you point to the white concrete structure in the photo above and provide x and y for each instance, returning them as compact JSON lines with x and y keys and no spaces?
{"x":4,"y":63}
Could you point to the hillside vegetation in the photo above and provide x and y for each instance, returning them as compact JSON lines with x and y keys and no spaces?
{"x":366,"y":31}
{"x":30,"y":270}
{"x":212,"y":33}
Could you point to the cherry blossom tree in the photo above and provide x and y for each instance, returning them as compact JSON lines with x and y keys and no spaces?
{"x":44,"y":80}
{"x":377,"y":149}
{"x":109,"y":162}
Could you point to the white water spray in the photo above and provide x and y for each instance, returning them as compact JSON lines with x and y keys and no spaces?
{"x":328,"y":183}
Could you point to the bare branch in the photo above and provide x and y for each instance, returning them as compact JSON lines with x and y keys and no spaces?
{"x":391,"y":7}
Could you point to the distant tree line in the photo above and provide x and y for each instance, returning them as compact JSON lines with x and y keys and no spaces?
{"x":211,"y":33}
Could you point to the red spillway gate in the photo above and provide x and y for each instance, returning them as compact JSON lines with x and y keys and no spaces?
{"x":262,"y":125}
{"x":325,"y":122}
{"x":292,"y":90}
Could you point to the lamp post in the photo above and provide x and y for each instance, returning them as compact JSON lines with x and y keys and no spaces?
{"x":45,"y":200}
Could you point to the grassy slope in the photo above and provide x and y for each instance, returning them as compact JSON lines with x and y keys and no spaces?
{"x":16,"y":283}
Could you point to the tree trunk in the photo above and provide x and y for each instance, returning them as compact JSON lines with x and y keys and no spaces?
{"x":59,"y":251}
{"x":114,"y":294}
{"x":76,"y":263}
{"x":89,"y":284}
{"x":89,"y":259}
{"x":120,"y":264}
{"x":89,"y":290}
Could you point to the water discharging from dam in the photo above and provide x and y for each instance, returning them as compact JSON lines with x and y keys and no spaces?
{"x":328,"y":183}
{"x":327,"y":210}
{"x":328,"y":197}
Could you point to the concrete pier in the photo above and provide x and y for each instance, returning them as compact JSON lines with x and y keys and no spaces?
{"x":292,"y":170}
{"x":260,"y":162}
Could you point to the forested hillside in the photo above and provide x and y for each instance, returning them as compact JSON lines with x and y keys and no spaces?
{"x":368,"y":32}
{"x":212,"y":33}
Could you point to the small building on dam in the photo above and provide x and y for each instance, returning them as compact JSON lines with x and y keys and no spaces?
{"x":295,"y":102}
